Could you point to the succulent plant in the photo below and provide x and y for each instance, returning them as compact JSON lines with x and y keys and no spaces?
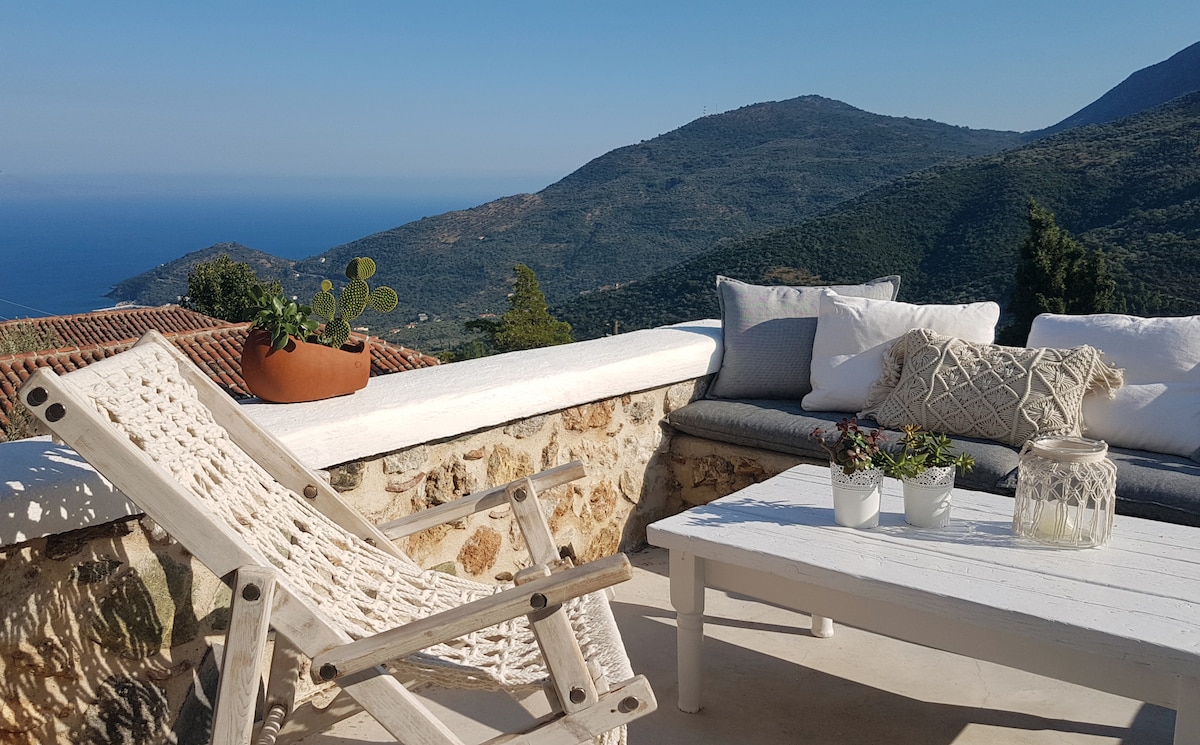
{"x":921,"y":450}
{"x":280,"y":317}
{"x":853,"y":449}
{"x":339,"y":311}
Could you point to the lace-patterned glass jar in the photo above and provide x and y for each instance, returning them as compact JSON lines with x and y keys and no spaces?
{"x":1066,"y":492}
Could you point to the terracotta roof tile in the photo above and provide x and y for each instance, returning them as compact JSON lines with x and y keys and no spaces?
{"x":214,"y":345}
{"x":105,"y":326}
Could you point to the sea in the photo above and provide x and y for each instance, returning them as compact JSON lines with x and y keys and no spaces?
{"x":63,"y":255}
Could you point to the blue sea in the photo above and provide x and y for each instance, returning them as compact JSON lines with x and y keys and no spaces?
{"x":62,"y":255}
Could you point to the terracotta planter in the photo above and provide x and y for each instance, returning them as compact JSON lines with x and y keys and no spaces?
{"x":303,"y":371}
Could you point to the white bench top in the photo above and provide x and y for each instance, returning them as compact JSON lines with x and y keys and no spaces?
{"x":1139,"y":597}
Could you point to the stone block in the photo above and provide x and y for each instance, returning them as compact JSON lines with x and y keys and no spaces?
{"x":480,"y":552}
{"x":412,"y":459}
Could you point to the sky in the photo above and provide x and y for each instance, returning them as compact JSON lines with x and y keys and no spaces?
{"x":506,"y":97}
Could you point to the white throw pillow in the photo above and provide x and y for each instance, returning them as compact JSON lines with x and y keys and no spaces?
{"x":767,"y":335}
{"x":853,"y":334}
{"x":1158,"y":409}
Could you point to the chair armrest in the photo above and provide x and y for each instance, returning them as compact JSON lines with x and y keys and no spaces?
{"x":536,"y":596}
{"x":469,"y":505}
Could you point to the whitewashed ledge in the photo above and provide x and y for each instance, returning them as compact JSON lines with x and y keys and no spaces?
{"x":47,"y":489}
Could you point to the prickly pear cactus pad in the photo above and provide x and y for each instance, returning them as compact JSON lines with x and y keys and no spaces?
{"x":361,"y":267}
{"x":354,"y":299}
{"x":339,"y":311}
{"x":384,"y":299}
{"x":324,"y":303}
{"x":337,"y":332}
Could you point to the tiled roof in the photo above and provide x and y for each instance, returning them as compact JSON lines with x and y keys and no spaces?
{"x":216,"y":348}
{"x":107,"y":326}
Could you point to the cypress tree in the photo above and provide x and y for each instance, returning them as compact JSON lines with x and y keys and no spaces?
{"x":1056,"y":274}
{"x":526,"y":325}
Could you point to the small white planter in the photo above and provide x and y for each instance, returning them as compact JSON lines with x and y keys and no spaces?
{"x":927,"y":498}
{"x":855,"y":497}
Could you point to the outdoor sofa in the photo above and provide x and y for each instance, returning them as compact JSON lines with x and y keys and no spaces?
{"x":799,"y":358}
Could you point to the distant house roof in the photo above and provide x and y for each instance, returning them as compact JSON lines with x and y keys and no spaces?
{"x":117,"y":324}
{"x":214,"y":345}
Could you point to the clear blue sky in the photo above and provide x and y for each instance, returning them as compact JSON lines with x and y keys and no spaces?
{"x":511,"y":96}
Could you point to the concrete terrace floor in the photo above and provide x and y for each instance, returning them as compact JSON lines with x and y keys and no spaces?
{"x":768,"y":681}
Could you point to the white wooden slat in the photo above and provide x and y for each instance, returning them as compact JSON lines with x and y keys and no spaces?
{"x":469,"y":505}
{"x":930,"y":564}
{"x":1169,"y":568}
{"x":522,"y":495}
{"x":475,"y":615}
{"x":1139,"y":596}
{"x":555,"y":638}
{"x":991,"y":592}
{"x":246,"y":640}
{"x":626,"y":702}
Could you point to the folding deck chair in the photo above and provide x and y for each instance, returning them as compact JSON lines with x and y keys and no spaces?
{"x":343,"y":600}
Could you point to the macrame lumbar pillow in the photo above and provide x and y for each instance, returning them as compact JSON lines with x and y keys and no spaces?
{"x":1007,"y":394}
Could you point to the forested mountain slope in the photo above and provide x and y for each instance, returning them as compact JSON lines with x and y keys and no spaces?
{"x":641,"y":208}
{"x":168,"y":282}
{"x":1149,"y":87}
{"x":1130,"y":188}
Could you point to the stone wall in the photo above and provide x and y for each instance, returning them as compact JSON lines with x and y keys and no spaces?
{"x":621,"y":442}
{"x":107,"y":638}
{"x":111,"y":633}
{"x":703,"y":470}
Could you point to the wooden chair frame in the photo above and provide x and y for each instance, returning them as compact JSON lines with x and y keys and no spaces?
{"x":582,"y":710}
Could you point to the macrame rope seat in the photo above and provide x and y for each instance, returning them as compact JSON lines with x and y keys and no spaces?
{"x":360,"y":588}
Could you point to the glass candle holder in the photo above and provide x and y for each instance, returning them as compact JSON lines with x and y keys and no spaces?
{"x":1066,"y":492}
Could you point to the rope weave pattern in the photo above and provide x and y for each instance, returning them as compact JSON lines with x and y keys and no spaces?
{"x":361,"y":589}
{"x":1007,"y":394}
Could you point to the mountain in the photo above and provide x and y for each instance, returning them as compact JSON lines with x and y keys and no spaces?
{"x":641,"y":208}
{"x":1144,"y":89}
{"x":167,"y":282}
{"x":632,"y":211}
{"x":1130,"y":188}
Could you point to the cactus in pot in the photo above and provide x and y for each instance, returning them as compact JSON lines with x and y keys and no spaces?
{"x":287,"y":358}
{"x":354,"y":298}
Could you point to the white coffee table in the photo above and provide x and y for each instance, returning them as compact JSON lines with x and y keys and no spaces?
{"x":1124,"y":619}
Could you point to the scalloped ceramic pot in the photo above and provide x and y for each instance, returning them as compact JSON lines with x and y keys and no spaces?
{"x":856,"y":497}
{"x":303,"y":371}
{"x":927,"y":498}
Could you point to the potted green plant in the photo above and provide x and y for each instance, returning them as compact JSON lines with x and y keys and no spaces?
{"x":855,"y":469}
{"x":289,"y":356}
{"x":926,"y":463}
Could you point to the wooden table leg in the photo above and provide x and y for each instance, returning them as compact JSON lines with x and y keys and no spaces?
{"x":1187,"y":712}
{"x":822,"y":627}
{"x":687,"y":596}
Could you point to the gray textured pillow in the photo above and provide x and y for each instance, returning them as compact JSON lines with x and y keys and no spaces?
{"x":768,"y":335}
{"x":1006,"y":394}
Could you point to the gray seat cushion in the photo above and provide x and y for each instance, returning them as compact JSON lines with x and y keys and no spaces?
{"x":784,"y":427}
{"x":1150,"y":485}
{"x":1157,"y":486}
